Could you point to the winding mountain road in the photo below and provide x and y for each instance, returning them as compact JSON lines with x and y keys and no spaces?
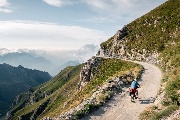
{"x":121,"y":108}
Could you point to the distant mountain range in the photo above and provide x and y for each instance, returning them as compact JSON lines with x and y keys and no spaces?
{"x":15,"y":80}
{"x":28,"y":61}
{"x":52,"y":61}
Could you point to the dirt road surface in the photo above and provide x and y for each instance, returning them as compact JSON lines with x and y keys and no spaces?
{"x":120,"y":106}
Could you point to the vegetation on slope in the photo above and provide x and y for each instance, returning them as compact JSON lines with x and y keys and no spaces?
{"x":62,"y":93}
{"x":159,"y":30}
{"x":156,"y":29}
{"x":14,"y":80}
{"x":31,"y":101}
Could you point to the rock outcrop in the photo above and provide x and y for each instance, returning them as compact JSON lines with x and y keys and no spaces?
{"x":121,"y":33}
{"x":117,"y":48}
{"x":86,"y":73}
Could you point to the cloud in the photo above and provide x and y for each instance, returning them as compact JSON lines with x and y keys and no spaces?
{"x":30,"y":34}
{"x":6,"y":10}
{"x":120,"y":10}
{"x":3,"y":3}
{"x":4,"y":6}
{"x":97,"y":3}
{"x":60,"y":3}
{"x":111,"y":10}
{"x":56,"y":3}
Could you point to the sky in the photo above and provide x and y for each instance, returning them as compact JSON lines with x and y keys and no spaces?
{"x":65,"y":24}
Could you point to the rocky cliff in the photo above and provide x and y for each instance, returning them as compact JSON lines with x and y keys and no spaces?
{"x":116,"y":47}
{"x":87,"y":71}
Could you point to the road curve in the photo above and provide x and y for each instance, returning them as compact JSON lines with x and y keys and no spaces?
{"x":121,"y":108}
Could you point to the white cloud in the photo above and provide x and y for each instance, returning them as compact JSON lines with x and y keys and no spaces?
{"x":112,"y":10}
{"x":97,"y":3}
{"x":4,"y":6}
{"x":29,"y":34}
{"x":3,"y":3}
{"x":120,"y":10}
{"x":56,"y":3}
{"x":6,"y":10}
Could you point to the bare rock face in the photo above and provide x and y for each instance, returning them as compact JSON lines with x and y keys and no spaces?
{"x":117,"y":48}
{"x":121,"y":33}
{"x":86,"y":73}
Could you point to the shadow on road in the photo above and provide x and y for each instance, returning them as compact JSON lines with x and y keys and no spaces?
{"x":147,"y":101}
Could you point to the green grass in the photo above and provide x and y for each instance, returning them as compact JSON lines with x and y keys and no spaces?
{"x":107,"y":44}
{"x":88,"y":109}
{"x":62,"y":89}
{"x":152,"y":113}
{"x":165,"y":112}
{"x":51,"y":88}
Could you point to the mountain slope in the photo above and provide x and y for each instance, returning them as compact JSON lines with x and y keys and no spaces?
{"x":14,"y":80}
{"x":63,"y":92}
{"x":154,"y":38}
{"x":46,"y":92}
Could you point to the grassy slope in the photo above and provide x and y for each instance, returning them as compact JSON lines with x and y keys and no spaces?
{"x":51,"y":89}
{"x":64,"y":86}
{"x":159,"y":30}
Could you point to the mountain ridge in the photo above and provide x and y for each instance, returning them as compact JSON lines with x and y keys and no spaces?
{"x":14,"y":80}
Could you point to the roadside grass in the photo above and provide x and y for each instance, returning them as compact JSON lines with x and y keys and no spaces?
{"x":165,"y":112}
{"x":153,"y":113}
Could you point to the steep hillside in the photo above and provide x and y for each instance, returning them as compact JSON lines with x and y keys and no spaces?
{"x":14,"y":80}
{"x":155,"y":38}
{"x":71,"y":87}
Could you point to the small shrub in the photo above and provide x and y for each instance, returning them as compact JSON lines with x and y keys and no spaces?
{"x":88,"y":109}
{"x":172,"y":88}
{"x":164,"y":112}
{"x":147,"y":113}
{"x":78,"y":115}
{"x":165,"y":103}
{"x":165,"y":79}
{"x":154,"y":107}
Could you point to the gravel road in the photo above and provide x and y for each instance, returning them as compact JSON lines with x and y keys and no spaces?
{"x":120,"y":106}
